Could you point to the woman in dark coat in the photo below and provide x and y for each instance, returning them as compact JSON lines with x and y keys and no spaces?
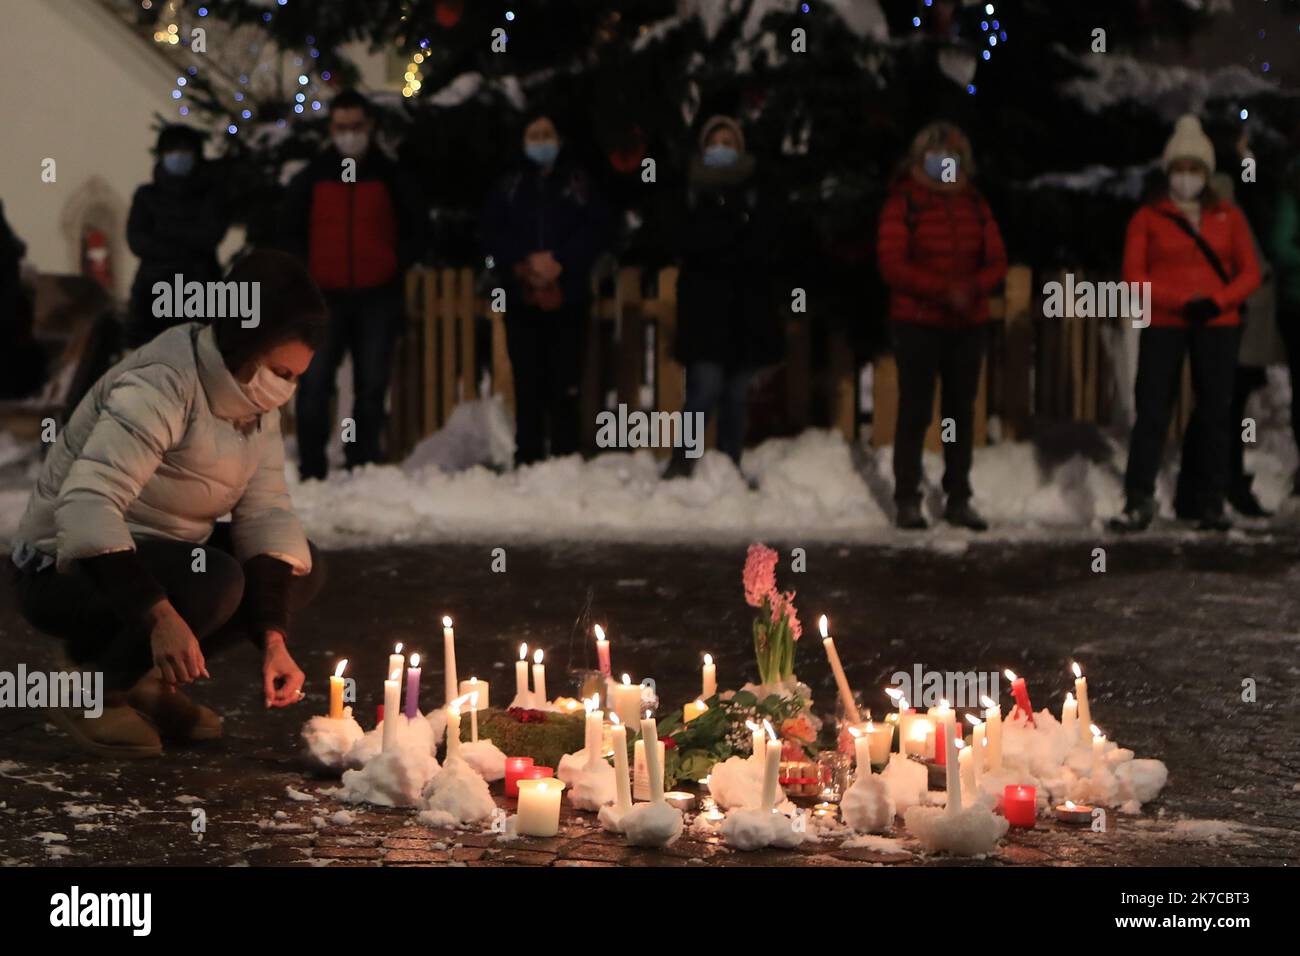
{"x":544,"y":227}
{"x":727,"y":327}
{"x":175,"y":225}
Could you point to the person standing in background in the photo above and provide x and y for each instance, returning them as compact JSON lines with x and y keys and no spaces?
{"x":358,"y":222}
{"x":941,"y":254}
{"x":174,"y":227}
{"x":544,"y":226}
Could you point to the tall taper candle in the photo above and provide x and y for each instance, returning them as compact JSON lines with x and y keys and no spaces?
{"x":653,"y":763}
{"x":336,"y":691}
{"x":392,"y":708}
{"x":622,"y":780}
{"x":449,"y":659}
{"x":413,"y":687}
{"x":521,"y":675}
{"x":539,"y":679}
{"x":846,"y":695}
{"x":1081,"y":693}
{"x":602,"y":650}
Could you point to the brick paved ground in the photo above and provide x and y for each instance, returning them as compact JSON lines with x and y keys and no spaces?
{"x":1167,"y":633}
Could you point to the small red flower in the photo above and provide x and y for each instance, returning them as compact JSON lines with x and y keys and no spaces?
{"x":669,"y":743}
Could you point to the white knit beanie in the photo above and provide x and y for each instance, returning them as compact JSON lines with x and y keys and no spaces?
{"x":1188,"y":142}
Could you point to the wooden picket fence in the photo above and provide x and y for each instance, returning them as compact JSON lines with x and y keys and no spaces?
{"x":454,"y":348}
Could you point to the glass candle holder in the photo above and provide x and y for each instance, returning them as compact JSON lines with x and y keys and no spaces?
{"x":833,"y":774}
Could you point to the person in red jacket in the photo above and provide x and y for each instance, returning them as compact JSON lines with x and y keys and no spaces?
{"x":358,"y":223}
{"x":1195,"y":250}
{"x":941,"y":255}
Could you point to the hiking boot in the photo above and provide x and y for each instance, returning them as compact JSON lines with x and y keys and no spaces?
{"x":960,"y":514}
{"x":178,"y":719}
{"x":119,"y":732}
{"x":909,"y":516}
{"x":1137,"y":516}
{"x":1214,"y":518}
{"x":1243,"y":500}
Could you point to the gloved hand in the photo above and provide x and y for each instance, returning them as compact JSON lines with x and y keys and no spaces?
{"x":1200,"y":311}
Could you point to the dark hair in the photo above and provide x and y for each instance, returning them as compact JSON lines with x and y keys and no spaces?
{"x":291,"y":308}
{"x":178,"y":136}
{"x":352,"y":100}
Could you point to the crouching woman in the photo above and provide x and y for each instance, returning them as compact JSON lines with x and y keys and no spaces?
{"x":120,"y":553}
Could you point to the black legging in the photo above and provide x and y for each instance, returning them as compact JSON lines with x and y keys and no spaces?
{"x":71,"y":606}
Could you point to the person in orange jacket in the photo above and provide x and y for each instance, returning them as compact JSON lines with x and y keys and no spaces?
{"x":1195,"y":250}
{"x":941,"y":254}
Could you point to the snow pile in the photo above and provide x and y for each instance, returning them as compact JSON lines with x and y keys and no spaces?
{"x":393,"y":778}
{"x":971,"y":831}
{"x":753,"y":829}
{"x":414,"y":734}
{"x":328,"y":742}
{"x":652,"y":825}
{"x":477,"y":433}
{"x":456,"y":796}
{"x":908,"y":782}
{"x":868,"y":805}
{"x":592,"y":786}
{"x":738,"y":782}
{"x":486,"y":758}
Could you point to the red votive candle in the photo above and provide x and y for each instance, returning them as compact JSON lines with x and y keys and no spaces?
{"x":941,"y":742}
{"x":1020,"y":805}
{"x":515,"y":767}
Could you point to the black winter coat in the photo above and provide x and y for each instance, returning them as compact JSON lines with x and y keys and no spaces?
{"x":725,"y":310}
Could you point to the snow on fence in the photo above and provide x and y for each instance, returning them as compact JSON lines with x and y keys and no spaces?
{"x":1037,"y":369}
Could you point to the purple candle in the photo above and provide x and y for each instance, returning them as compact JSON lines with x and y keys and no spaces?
{"x":413,"y":687}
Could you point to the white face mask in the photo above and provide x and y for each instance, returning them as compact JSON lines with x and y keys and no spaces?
{"x":1186,"y":186}
{"x":351,"y":143}
{"x":267,"y":390}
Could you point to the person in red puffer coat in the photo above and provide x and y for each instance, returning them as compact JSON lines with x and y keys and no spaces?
{"x":941,"y":254}
{"x":1195,"y":250}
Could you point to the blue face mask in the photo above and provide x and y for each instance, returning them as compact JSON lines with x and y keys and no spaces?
{"x":179,"y":163}
{"x":720,"y":155}
{"x":934,"y":165}
{"x":542,"y":153}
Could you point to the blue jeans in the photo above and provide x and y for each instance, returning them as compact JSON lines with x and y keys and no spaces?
{"x":711,"y":386}
{"x":367,"y":324}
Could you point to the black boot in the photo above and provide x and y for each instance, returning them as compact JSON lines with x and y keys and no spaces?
{"x":1214,"y":518}
{"x":1243,"y":500}
{"x":909,"y":516}
{"x":960,"y":514}
{"x":1138,"y":515}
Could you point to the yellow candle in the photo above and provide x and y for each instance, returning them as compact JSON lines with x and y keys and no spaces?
{"x":336,"y":691}
{"x":627,"y":701}
{"x":539,"y":807}
{"x":710,"y":683}
{"x":654,"y":758}
{"x":879,"y":739}
{"x":692,"y":710}
{"x":1081,"y":692}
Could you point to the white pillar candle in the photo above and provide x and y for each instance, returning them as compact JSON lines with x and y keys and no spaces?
{"x":654,"y":759}
{"x":952,"y":773}
{"x":602,"y":651}
{"x":978,"y":736}
{"x":641,"y":769}
{"x":1070,"y":718}
{"x":449,"y":659}
{"x":993,"y":717}
{"x":473,"y":686}
{"x":1081,"y":693}
{"x":861,"y":752}
{"x":758,"y":749}
{"x":771,"y":773}
{"x":396,"y":662}
{"x":594,"y":728}
{"x":521,"y":675}
{"x":622,"y":781}
{"x":627,"y":701}
{"x":1098,"y":749}
{"x":879,"y":737}
{"x":539,"y":807}
{"x":966,"y":767}
{"x":841,"y":681}
{"x":392,"y":708}
{"x":539,"y":679}
{"x":336,"y":691}
{"x":709,"y":685}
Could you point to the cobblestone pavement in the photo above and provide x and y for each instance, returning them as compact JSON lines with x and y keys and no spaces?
{"x":1168,"y":634}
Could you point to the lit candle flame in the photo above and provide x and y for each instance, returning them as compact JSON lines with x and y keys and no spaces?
{"x":975,"y":721}
{"x":398,"y":648}
{"x":396,"y":674}
{"x":824,"y":625}
{"x":943,"y":703}
{"x":473,"y":701}
{"x":988,"y":702}
{"x":338,"y":671}
{"x":871,"y":728}
{"x":523,"y":652}
{"x":1078,"y":671}
{"x":855,"y":732}
{"x":456,"y":704}
{"x":613,"y":719}
{"x":894,"y":693}
{"x":753,"y":727}
{"x":1096,"y":731}
{"x":446,"y":621}
{"x":415,"y":660}
{"x":600,"y":632}
{"x":959,"y":743}
{"x":1011,"y":675}
{"x":537,"y":656}
{"x":627,"y":681}
{"x":1069,"y":804}
{"x":708,"y":660}
{"x":767,"y":725}
{"x":1069,"y":697}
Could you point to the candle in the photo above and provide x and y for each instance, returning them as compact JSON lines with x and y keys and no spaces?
{"x":539,"y":679}
{"x":1098,"y":749}
{"x":978,"y":742}
{"x":920,"y":736}
{"x":642,"y":787}
{"x":396,"y":661}
{"x":627,"y":701}
{"x":622,"y":781}
{"x":453,"y":727}
{"x":1077,"y":814}
{"x":680,"y":800}
{"x":993,"y":718}
{"x":771,"y":771}
{"x":336,"y":691}
{"x":1081,"y":692}
{"x":413,"y":687}
{"x":1021,"y":693}
{"x":966,"y":768}
{"x":952,"y":772}
{"x":539,"y":807}
{"x":880,"y":739}
{"x":758,"y":750}
{"x":449,"y":658}
{"x":1070,"y":718}
{"x":846,"y":695}
{"x":945,"y":726}
{"x":710,"y":683}
{"x":475,"y":688}
{"x":473,"y":717}
{"x":654,"y":758}
{"x":515,"y":768}
{"x":693,"y":710}
{"x":392,"y":708}
{"x":1020,"y":805}
{"x":521,"y":675}
{"x":861,"y":752}
{"x":602,"y":650}
{"x":594,"y":728}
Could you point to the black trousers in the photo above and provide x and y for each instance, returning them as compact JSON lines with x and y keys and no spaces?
{"x":953,"y":357}
{"x":1189,"y":500}
{"x":70,"y":606}
{"x":1212,"y":352}
{"x":1288,"y":323}
{"x":367,"y":324}
{"x":546,"y":355}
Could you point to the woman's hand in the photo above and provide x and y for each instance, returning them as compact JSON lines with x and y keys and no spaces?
{"x":282,"y":679}
{"x":176,"y":650}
